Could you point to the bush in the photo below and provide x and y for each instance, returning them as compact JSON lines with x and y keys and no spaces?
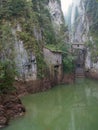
{"x":7,"y":76}
{"x":13,"y":8}
{"x":68,"y":65}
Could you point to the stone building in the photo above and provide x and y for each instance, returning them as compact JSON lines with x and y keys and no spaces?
{"x":78,"y":46}
{"x":54,"y":61}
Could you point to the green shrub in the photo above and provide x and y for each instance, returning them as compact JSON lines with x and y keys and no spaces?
{"x":13,"y":8}
{"x":68,"y":65}
{"x":7,"y":76}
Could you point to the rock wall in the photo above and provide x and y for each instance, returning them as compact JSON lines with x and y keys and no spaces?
{"x":82,"y":20}
{"x":35,"y":86}
{"x":31,"y":33}
{"x":42,"y":24}
{"x":30,"y":29}
{"x":53,"y":60}
{"x":56,"y":14}
{"x":10,"y":107}
{"x":79,"y":23}
{"x":26,"y":64}
{"x":25,"y":61}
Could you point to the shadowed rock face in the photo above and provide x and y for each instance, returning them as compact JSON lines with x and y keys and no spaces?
{"x":10,"y":107}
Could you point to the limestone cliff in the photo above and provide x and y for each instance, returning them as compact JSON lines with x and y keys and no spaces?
{"x":33,"y":25}
{"x":26,"y":27}
{"x":84,"y":15}
{"x":56,"y":14}
{"x":79,"y":23}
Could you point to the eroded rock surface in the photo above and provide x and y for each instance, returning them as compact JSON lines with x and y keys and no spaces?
{"x":10,"y":107}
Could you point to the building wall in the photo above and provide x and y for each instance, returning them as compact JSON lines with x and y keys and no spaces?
{"x":54,"y":62}
{"x":52,"y":58}
{"x":77,"y":46}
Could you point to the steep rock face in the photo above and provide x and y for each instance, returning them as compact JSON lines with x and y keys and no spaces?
{"x":83,"y":29}
{"x":23,"y":35}
{"x":26,"y":65}
{"x":25,"y":61}
{"x":56,"y":14}
{"x":32,"y":24}
{"x":79,"y":23}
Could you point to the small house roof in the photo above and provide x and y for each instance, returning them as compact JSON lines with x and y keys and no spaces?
{"x":54,"y":50}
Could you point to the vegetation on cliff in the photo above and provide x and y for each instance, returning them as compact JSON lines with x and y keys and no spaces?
{"x":91,"y":9}
{"x":36,"y":32}
{"x":7,"y":66}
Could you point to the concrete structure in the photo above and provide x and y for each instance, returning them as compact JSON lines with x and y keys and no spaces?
{"x":53,"y":60}
{"x":77,"y":46}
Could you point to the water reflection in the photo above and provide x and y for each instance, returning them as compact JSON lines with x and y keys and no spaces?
{"x":69,"y":107}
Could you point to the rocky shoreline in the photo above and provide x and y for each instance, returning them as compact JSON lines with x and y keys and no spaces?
{"x":10,"y":107}
{"x":92,"y":74}
{"x":10,"y":104}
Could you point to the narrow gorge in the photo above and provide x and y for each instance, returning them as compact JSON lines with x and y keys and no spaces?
{"x":44,"y":44}
{"x":83,"y":23}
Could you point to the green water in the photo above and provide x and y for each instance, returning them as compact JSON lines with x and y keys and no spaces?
{"x":66,"y":107}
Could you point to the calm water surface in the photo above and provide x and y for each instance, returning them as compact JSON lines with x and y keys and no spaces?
{"x":66,"y":107}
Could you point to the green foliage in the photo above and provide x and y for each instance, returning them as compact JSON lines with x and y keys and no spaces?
{"x":29,"y":41}
{"x":31,"y":45}
{"x":53,"y":47}
{"x":12,"y":9}
{"x":93,"y":48}
{"x":37,"y":29}
{"x":7,"y":66}
{"x":42,"y":67}
{"x":7,"y":76}
{"x":68,"y":65}
{"x":91,"y":7}
{"x":44,"y":20}
{"x":6,"y":42}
